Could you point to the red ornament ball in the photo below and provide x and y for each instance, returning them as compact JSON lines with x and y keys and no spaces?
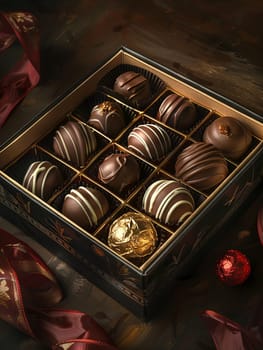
{"x":233,"y":268}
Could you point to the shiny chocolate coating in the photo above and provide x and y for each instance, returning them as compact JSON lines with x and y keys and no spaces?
{"x":228,"y":135}
{"x":42,"y":178}
{"x":168,"y":201}
{"x":134,"y":87}
{"x":85,"y":206}
{"x":74,"y":142}
{"x":201,"y":165}
{"x":108,"y":118}
{"x":150,"y":141}
{"x":118,"y":171}
{"x":177,"y":112}
{"x":133,"y":235}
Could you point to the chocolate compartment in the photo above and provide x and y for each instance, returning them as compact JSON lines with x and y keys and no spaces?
{"x":18,"y":169}
{"x":47,"y":142}
{"x":198,"y":136}
{"x":202,"y":112}
{"x":175,"y":138}
{"x":83,"y":111}
{"x":83,"y":181}
{"x":163,"y":235}
{"x":169,"y":167}
{"x":107,"y":82}
{"x":92,"y":170}
{"x":136,"y":201}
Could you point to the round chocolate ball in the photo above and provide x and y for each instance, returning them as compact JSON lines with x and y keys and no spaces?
{"x":150,"y":141}
{"x":42,"y":178}
{"x":168,"y":201}
{"x":134,"y":87}
{"x":177,"y":112}
{"x":74,"y":142}
{"x":118,"y":171}
{"x":133,"y":235}
{"x":108,"y":118}
{"x":229,"y":135}
{"x":201,"y":165}
{"x":85,"y":206}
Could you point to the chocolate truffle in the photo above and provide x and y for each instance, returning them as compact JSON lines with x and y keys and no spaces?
{"x":149,"y":141}
{"x":42,"y":178}
{"x":201,"y":165}
{"x":177,"y":112}
{"x":85,"y":206}
{"x":118,"y":171}
{"x":134,"y":87}
{"x":228,"y":135}
{"x":74,"y":142}
{"x":108,"y":118}
{"x":168,"y":201}
{"x":133,"y":235}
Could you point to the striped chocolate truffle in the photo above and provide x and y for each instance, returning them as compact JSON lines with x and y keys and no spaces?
{"x":118,"y":171}
{"x":134,"y":87}
{"x":74,"y":142}
{"x":149,"y":141}
{"x":168,"y":201}
{"x":202,"y":166}
{"x":85,"y":206}
{"x":108,"y":118}
{"x":177,"y":112}
{"x":42,"y":178}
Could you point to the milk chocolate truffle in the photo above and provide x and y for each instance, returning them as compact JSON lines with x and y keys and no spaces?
{"x":133,"y":235}
{"x":85,"y":206}
{"x":42,"y":178}
{"x":74,"y":142}
{"x":177,"y":112}
{"x":118,"y":171}
{"x":168,"y":201}
{"x":134,"y":87}
{"x":149,"y":141}
{"x":229,"y":135}
{"x":201,"y":165}
{"x":108,"y":118}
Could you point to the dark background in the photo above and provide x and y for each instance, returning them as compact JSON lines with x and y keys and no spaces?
{"x":217,"y":44}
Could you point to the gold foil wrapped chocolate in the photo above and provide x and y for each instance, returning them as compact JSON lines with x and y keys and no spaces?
{"x":132,"y":235}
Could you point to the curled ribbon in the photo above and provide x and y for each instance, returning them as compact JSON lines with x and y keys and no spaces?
{"x":28,"y":293}
{"x":228,"y":334}
{"x":25,"y":75}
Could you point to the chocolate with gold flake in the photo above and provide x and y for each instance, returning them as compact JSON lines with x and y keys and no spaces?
{"x":108,"y":118}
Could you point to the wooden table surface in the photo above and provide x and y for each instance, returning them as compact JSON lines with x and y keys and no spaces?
{"x":219,"y":45}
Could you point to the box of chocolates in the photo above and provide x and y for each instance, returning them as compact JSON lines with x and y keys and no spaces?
{"x":130,"y":174}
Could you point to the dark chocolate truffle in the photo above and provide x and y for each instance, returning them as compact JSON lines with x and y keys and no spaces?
{"x":177,"y":112}
{"x":118,"y":171}
{"x":149,"y":141}
{"x":74,"y":142}
{"x":201,"y":165}
{"x":168,"y":201}
{"x":42,"y":179}
{"x":108,"y":118}
{"x":228,"y":135}
{"x":133,"y":235}
{"x":134,"y":87}
{"x":85,"y":206}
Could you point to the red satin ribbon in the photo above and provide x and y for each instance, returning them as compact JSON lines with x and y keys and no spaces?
{"x":28,"y":294}
{"x":228,"y":334}
{"x":25,"y":75}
